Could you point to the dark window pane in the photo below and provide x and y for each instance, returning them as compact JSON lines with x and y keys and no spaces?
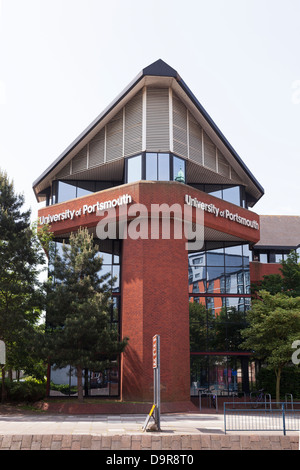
{"x":85,"y":187}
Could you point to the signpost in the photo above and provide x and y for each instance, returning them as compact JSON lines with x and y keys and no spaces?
{"x":2,"y":353}
{"x":155,"y":410}
{"x":156,"y":376}
{"x":2,"y":364}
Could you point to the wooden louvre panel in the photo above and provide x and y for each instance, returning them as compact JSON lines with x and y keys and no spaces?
{"x":79,"y":162}
{"x":114,"y":138}
{"x":157,"y":120}
{"x":235,"y":177}
{"x":223,"y":165}
{"x":179,"y":127}
{"x":133,"y":125}
{"x":64,"y":172}
{"x":96,"y":149}
{"x":209,"y":153}
{"x":195,"y":140}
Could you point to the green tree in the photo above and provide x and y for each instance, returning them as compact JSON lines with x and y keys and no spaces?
{"x":79,"y":332}
{"x":290,"y":269}
{"x":274,"y":324}
{"x":288,"y":282}
{"x":198,"y":327}
{"x":21,"y":258}
{"x":228,"y":326}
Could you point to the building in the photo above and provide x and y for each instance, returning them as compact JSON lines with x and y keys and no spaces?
{"x":154,"y":160}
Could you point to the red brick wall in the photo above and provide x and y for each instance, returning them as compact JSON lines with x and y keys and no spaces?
{"x":155,"y":301}
{"x":259,"y":270}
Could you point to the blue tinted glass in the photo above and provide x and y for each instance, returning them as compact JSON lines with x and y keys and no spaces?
{"x":215,"y":257}
{"x":232,"y":195}
{"x":215,"y":280}
{"x":163,"y":167}
{"x":233,"y":256}
{"x":178,"y":169}
{"x":134,"y":169}
{"x":66,"y":191}
{"x":151,"y":166}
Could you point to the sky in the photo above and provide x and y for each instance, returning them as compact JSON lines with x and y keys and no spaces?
{"x":63,"y":61}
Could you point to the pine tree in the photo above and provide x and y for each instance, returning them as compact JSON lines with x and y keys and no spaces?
{"x":21,"y":258}
{"x":79,"y":332}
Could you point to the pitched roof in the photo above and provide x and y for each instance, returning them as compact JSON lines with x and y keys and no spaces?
{"x":279,"y":231}
{"x":158,"y":68}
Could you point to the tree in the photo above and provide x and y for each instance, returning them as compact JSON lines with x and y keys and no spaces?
{"x":290,"y":269}
{"x":274,"y":324}
{"x":79,"y":332}
{"x":21,"y":258}
{"x":288,"y":282}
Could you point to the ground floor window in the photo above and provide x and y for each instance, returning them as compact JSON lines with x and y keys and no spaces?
{"x":224,"y":375}
{"x":105,"y":383}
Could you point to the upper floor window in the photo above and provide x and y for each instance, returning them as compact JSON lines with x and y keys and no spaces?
{"x":155,"y":167}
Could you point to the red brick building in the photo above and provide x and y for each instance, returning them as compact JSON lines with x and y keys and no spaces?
{"x":154,"y":160}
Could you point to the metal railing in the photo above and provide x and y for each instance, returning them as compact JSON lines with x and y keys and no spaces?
{"x":270,"y":416}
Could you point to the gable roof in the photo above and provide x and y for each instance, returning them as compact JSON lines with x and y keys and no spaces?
{"x":157,"y":69}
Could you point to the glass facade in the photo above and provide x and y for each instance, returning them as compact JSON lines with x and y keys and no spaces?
{"x":104,"y":382}
{"x":155,"y":167}
{"x":219,"y":294}
{"x":67,"y":190}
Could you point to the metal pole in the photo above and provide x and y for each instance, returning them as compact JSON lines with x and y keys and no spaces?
{"x":283,"y":419}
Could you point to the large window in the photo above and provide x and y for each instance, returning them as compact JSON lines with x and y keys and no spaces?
{"x":103,"y":382}
{"x":222,"y":270}
{"x":219,"y":294}
{"x":155,"y":167}
{"x":230,"y":193}
{"x":221,"y":374}
{"x":66,"y":190}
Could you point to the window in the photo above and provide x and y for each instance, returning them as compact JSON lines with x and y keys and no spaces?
{"x":134,"y":169}
{"x":151,"y":167}
{"x":232,"y":195}
{"x":178,"y":169}
{"x":219,"y":270}
{"x":163,"y":167}
{"x":155,"y":167}
{"x":66,"y":191}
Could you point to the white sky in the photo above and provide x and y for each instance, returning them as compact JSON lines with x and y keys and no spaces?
{"x":63,"y":61}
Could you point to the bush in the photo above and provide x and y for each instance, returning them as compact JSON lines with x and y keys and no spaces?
{"x":28,"y":391}
{"x":64,"y":389}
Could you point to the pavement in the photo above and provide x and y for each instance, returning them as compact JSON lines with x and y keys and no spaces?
{"x":32,"y":430}
{"x":107,"y":425}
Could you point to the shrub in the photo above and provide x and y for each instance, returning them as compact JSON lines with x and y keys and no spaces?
{"x":26,"y":391}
